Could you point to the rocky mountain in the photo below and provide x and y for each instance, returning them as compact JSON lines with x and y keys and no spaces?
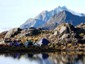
{"x":56,"y":16}
{"x":63,"y":17}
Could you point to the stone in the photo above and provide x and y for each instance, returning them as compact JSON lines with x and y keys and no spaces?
{"x":2,"y":41}
{"x":12,"y":32}
{"x":64,"y":36}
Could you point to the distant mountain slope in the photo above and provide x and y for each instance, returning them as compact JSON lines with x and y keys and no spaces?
{"x":46,"y":16}
{"x":63,"y":17}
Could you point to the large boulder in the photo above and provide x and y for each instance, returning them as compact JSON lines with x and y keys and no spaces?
{"x":2,"y":41}
{"x":29,"y":32}
{"x":24,"y":32}
{"x":12,"y":32}
{"x":28,"y":43}
{"x":2,"y":35}
{"x":65,"y":36}
{"x":84,"y":37}
{"x":80,"y":29}
{"x":43,"y":41}
{"x":82,"y":25}
{"x":64,"y":28}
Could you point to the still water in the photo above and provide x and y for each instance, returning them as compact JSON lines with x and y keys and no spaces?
{"x":43,"y":58}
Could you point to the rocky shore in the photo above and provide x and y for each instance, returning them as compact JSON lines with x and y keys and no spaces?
{"x":69,"y":47}
{"x":64,"y":37}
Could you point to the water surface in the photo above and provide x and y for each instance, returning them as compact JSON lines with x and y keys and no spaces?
{"x":43,"y":58}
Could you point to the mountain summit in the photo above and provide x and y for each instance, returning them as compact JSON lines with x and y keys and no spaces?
{"x":50,"y":19}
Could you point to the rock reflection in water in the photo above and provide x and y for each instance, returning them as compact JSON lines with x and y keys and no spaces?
{"x":68,"y":59}
{"x":47,"y":58}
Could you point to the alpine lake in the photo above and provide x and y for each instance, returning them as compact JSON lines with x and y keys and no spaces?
{"x":63,"y":57}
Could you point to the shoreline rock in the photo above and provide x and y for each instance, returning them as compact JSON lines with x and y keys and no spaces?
{"x":63,"y":34}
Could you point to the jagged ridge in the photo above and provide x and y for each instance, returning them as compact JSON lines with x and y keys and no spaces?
{"x":45,"y":16}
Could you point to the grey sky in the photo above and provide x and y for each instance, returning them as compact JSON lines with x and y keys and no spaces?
{"x":13,"y":13}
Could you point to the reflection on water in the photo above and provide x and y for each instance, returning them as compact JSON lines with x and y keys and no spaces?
{"x":43,"y":58}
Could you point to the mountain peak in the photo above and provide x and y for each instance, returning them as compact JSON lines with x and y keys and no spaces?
{"x":64,"y":7}
{"x":61,"y":8}
{"x":44,"y":17}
